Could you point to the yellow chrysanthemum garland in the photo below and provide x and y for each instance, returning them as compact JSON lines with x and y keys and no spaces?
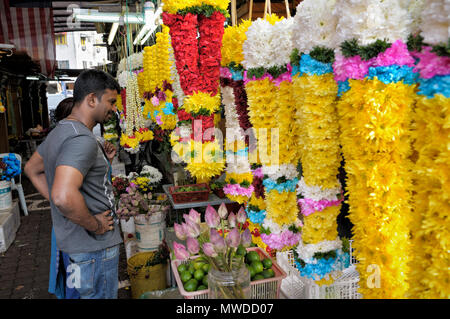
{"x":429,"y":277}
{"x":157,"y":77}
{"x":376,"y":150}
{"x":232,"y":41}
{"x":271,"y":112}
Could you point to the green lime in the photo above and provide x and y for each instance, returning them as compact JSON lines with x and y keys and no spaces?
{"x":258,"y":277}
{"x":191,"y":285}
{"x":252,"y":271}
{"x":199,"y":274}
{"x":241,"y":251}
{"x":271,"y":272}
{"x":185,"y":276}
{"x":205,"y":281}
{"x":181,"y":268}
{"x":252,"y":256}
{"x":206,"y":268}
{"x":268,"y":273}
{"x":191,"y":269}
{"x":201,"y":287}
{"x":257,"y":266}
{"x":198,"y":264}
{"x":267,"y":263}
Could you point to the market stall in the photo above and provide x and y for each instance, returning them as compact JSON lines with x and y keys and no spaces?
{"x":271,"y":111}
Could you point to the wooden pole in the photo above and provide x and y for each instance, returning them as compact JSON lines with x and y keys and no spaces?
{"x":233,"y":12}
{"x":270,"y":8}
{"x":288,"y":11}
{"x":265,"y":9}
{"x":250,"y":10}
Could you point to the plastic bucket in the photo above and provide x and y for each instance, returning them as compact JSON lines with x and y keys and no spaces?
{"x":5,"y":195}
{"x":145,"y":278}
{"x":149,"y":232}
{"x":128,"y":226}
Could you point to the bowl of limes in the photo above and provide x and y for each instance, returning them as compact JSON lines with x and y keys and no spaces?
{"x":260,"y":267}
{"x":194,"y":274}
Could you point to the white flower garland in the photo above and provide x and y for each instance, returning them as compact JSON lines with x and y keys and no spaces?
{"x":369,"y":20}
{"x":315,"y":25}
{"x":176,"y":86}
{"x":276,"y":171}
{"x":283,"y":46}
{"x":135,"y":62}
{"x":122,"y":78}
{"x":134,"y":119}
{"x":434,"y":22}
{"x":257,"y":49}
{"x":306,"y":252}
{"x":317,"y":193}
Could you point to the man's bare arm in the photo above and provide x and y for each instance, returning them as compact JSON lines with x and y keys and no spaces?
{"x":67,"y":197}
{"x":34,"y":169}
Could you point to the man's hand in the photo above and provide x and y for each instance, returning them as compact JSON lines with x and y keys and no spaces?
{"x":110,"y":150}
{"x":106,"y":222}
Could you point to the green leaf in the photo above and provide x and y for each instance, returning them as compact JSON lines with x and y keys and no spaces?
{"x":322,"y":54}
{"x":256,"y":72}
{"x":415,"y":42}
{"x":442,"y":49}
{"x":372,"y":50}
{"x":295,"y":57}
{"x":350,"y":48}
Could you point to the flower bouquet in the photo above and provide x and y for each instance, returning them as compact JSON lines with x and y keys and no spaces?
{"x":135,"y":203}
{"x":222,"y":246}
{"x":9,"y":167}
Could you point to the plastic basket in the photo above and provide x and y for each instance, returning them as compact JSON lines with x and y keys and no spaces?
{"x":261,"y":289}
{"x":189,"y":197}
{"x":344,"y":287}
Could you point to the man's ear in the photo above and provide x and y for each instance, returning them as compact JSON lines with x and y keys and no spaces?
{"x":92,"y":100}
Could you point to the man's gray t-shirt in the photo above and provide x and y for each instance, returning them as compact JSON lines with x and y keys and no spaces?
{"x":72,"y":144}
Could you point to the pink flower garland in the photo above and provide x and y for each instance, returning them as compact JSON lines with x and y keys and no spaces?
{"x":236,"y":189}
{"x":431,"y":64}
{"x":279,"y":241}
{"x":258,"y":172}
{"x":225,"y":73}
{"x":356,"y":68}
{"x":309,"y":206}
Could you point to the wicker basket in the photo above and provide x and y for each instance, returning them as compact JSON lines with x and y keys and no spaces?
{"x":189,"y":197}
{"x":261,"y":289}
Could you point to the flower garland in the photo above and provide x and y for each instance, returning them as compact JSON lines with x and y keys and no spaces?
{"x":158,"y":76}
{"x":376,"y":146}
{"x":238,"y":172}
{"x":429,"y":277}
{"x":268,"y":84}
{"x":315,"y":94}
{"x":198,"y":65}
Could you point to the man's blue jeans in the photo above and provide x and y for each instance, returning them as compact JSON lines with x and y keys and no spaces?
{"x":95,"y":275}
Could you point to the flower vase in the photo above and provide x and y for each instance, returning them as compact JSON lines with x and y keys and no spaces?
{"x":234,"y":284}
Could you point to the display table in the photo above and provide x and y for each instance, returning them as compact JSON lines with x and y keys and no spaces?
{"x":213,"y":200}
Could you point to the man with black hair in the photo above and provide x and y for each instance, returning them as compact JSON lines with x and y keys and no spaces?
{"x":72,"y":170}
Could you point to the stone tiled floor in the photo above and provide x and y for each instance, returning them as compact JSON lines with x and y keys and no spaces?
{"x":24,"y":267}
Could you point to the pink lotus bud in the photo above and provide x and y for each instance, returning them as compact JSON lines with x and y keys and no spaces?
{"x":194,"y":216}
{"x":208,"y":249}
{"x":223,"y":212}
{"x":241,"y":216}
{"x":246,"y":238}
{"x":231,"y":220}
{"x":192,"y":229}
{"x":211,"y":217}
{"x":192,"y":245}
{"x":217,"y":240}
{"x":180,"y":251}
{"x":180,"y":231}
{"x":234,"y":238}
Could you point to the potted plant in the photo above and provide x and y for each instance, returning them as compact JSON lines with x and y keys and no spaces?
{"x":222,"y":246}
